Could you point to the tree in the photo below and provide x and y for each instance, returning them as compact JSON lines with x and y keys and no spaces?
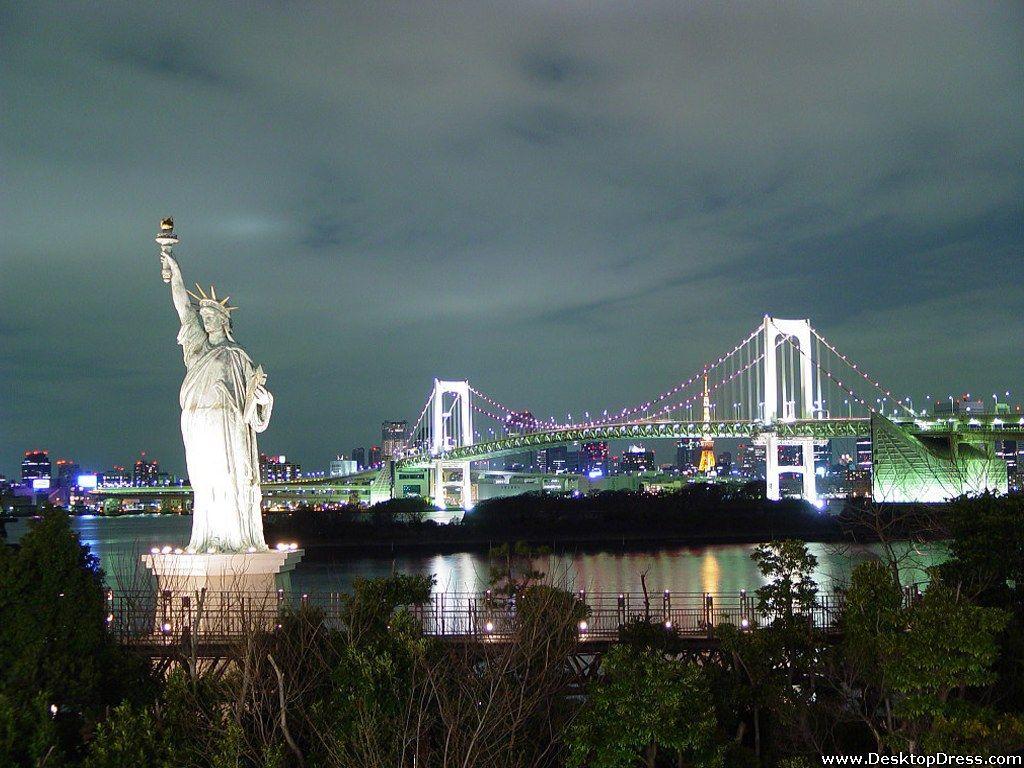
{"x":905,"y":670}
{"x":788,"y":568}
{"x":512,"y":569}
{"x":948,"y":645}
{"x":373,"y":710}
{"x":55,"y":653}
{"x":644,"y":702}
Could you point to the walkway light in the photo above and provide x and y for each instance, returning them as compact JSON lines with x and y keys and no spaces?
{"x":489,"y":627}
{"x":583,"y":626}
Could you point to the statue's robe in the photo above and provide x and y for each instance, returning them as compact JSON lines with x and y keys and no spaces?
{"x":220,"y":442}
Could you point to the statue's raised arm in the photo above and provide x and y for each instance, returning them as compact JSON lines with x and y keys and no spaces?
{"x":178,"y":293}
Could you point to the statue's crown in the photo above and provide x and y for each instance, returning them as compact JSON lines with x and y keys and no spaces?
{"x":211,"y":301}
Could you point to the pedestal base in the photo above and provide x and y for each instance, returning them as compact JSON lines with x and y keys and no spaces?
{"x":219,"y":595}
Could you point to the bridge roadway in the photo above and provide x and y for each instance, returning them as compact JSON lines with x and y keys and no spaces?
{"x":984,"y":428}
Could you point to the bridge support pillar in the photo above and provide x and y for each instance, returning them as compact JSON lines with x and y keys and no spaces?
{"x":774,"y":469}
{"x":448,"y":476}
{"x":773,"y":489}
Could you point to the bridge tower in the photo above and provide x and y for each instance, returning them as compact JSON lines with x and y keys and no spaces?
{"x":785,"y":335}
{"x":451,"y":426}
{"x":706,"y":465}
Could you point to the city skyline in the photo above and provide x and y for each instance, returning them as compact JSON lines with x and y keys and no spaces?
{"x":514,"y":197}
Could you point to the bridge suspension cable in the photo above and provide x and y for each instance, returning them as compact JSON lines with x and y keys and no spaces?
{"x":853,"y":366}
{"x":630,"y":411}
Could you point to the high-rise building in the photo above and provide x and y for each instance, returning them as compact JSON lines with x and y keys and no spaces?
{"x":864,"y":453}
{"x":750,"y":460}
{"x":791,"y":455}
{"x":1008,"y":451}
{"x":541,"y":460}
{"x":117,"y":477}
{"x":687,"y":454}
{"x":557,"y":459}
{"x":358,"y":455}
{"x":376,"y":456}
{"x":146,"y":472}
{"x":393,"y":437}
{"x":636,"y":459}
{"x":67,"y":473}
{"x":342,"y":467}
{"x":572,"y":461}
{"x":594,"y":458}
{"x":724,"y":460}
{"x":823,"y":457}
{"x":277,"y":469}
{"x":36,"y":466}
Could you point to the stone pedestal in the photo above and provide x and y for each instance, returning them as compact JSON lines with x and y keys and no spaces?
{"x":220,"y":596}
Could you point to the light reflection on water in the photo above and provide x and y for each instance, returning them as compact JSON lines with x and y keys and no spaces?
{"x":119,"y":542}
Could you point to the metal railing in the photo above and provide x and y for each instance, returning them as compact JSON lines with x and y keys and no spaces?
{"x":171,"y":618}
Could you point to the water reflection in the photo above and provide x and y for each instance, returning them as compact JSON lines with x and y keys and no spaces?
{"x":119,"y":542}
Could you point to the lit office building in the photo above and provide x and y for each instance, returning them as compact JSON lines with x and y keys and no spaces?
{"x":636,"y":459}
{"x":146,"y":472}
{"x":36,"y":466}
{"x":394,"y":435}
{"x":687,"y":455}
{"x":117,"y":477}
{"x":724,"y":463}
{"x":277,"y":469}
{"x":358,"y":455}
{"x":594,"y":458}
{"x":557,"y":458}
{"x":376,"y":456}
{"x":340,"y":467}
{"x":864,"y":453}
{"x":750,"y":460}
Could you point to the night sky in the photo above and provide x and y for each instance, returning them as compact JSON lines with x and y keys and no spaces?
{"x":573,"y":205}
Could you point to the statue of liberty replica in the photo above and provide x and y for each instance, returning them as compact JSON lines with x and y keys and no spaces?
{"x":224,"y":404}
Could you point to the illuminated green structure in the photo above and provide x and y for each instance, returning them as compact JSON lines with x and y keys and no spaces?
{"x":926,"y":468}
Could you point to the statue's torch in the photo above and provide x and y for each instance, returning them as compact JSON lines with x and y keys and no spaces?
{"x":166,"y":239}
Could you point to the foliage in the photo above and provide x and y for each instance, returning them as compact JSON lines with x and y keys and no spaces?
{"x":512,"y":567}
{"x":906,"y":669}
{"x":948,"y":644}
{"x":410,"y":509}
{"x":373,"y":602}
{"x":788,"y":568}
{"x":55,"y":652}
{"x":129,"y":736}
{"x":640,"y":632}
{"x":644,"y":702}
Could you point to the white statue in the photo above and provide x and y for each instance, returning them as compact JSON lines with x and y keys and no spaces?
{"x":224,"y":404}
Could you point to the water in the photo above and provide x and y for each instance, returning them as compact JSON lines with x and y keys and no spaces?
{"x":120,"y":541}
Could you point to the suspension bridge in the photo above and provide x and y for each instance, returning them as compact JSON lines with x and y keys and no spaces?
{"x":782,"y":386}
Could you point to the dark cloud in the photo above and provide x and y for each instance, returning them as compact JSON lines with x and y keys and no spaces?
{"x":573,"y":205}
